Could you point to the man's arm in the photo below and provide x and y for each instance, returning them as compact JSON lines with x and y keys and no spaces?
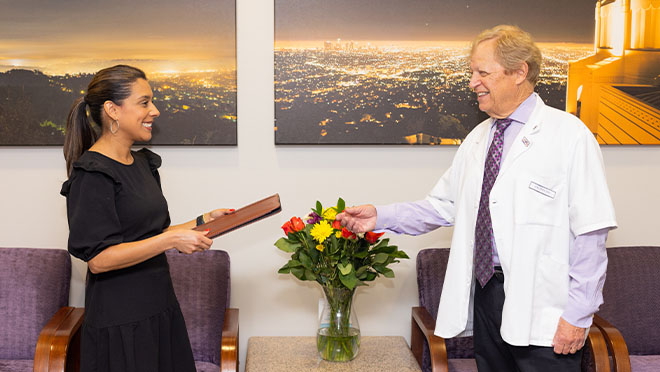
{"x":412,"y":218}
{"x":401,"y":218}
{"x":588,"y":263}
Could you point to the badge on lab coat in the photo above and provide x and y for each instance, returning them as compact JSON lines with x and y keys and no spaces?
{"x":550,"y":193}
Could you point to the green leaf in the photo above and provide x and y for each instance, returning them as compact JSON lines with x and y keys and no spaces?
{"x":386,"y":249}
{"x":379,"y":268}
{"x":381,"y":258}
{"x":314,"y":254}
{"x":382,"y":243}
{"x":400,"y":254}
{"x":388,"y":273}
{"x":298,"y":272}
{"x":286,"y":245}
{"x":370,"y":276}
{"x":319,"y":208}
{"x":345,"y":269}
{"x":294,"y":263}
{"x":361,"y":254}
{"x":285,"y":269}
{"x":334,"y":245}
{"x":306,"y":261}
{"x":361,"y":273}
{"x":349,"y":281}
{"x":309,"y":275}
{"x":341,"y":205}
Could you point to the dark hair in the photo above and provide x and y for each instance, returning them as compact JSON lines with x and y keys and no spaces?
{"x":110,"y":84}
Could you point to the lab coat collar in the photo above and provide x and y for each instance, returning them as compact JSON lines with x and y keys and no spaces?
{"x":532,"y":125}
{"x":526,"y":137}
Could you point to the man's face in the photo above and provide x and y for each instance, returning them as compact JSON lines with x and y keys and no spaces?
{"x":497,"y":91}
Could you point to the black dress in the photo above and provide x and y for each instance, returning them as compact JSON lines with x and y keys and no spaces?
{"x":133,"y":322}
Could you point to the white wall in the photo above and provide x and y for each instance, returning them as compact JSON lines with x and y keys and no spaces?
{"x":33,"y":214}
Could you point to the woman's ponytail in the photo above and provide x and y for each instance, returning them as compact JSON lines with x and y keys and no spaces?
{"x":80,"y":135}
{"x":110,"y":84}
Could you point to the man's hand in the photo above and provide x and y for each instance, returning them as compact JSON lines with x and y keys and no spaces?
{"x":568,"y":338}
{"x":358,"y":219}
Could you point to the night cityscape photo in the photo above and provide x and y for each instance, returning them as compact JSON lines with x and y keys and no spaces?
{"x":188,"y":52}
{"x":367,"y":74}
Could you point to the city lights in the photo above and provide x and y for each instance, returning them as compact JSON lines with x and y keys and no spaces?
{"x":389,"y":93}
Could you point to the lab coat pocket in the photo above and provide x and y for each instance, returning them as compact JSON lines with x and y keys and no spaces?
{"x":540,"y":200}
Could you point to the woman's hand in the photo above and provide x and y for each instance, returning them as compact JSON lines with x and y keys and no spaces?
{"x":212,"y":215}
{"x":190,"y":241}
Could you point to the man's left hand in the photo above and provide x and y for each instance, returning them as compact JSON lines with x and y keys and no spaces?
{"x":568,"y":338}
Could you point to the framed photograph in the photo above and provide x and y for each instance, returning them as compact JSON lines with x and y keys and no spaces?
{"x":397,"y":72}
{"x":49,"y":52}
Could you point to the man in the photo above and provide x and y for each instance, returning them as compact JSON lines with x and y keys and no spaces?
{"x":528,"y":199}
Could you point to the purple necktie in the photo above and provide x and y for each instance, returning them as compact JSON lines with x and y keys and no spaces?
{"x":483,"y":255}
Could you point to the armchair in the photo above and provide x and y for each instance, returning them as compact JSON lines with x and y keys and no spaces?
{"x":630,"y":310}
{"x":39,"y":332}
{"x":436,"y":354}
{"x":202,"y":286}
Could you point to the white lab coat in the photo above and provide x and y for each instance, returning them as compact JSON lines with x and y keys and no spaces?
{"x":551,"y":187}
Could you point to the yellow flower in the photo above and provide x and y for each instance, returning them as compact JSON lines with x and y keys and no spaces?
{"x":321,"y":231}
{"x":320,"y":247}
{"x":338,"y":234}
{"x":330,"y":214}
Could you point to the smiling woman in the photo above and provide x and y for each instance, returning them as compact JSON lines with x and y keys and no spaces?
{"x":119,"y":223}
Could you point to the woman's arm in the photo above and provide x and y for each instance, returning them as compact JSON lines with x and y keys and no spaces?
{"x":124,"y":255}
{"x":208,"y":217}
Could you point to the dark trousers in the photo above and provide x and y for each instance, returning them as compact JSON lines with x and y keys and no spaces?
{"x":493,"y":354}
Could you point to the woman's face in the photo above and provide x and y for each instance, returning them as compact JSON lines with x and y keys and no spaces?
{"x":137,"y":112}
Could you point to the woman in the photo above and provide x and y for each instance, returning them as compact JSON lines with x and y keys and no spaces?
{"x":119,"y":224}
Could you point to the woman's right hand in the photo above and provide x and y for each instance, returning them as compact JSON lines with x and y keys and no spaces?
{"x":190,"y":241}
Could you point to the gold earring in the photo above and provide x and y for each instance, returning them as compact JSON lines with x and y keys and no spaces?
{"x":111,"y":126}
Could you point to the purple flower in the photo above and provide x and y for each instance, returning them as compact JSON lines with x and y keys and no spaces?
{"x":313,"y":218}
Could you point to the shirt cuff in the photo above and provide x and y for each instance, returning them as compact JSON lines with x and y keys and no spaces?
{"x":385,"y":217}
{"x":577,"y":318}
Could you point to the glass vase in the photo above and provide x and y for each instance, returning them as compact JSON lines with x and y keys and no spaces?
{"x":338,"y":336}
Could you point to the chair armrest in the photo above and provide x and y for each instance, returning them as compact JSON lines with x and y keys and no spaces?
{"x":596,"y":342}
{"x":58,"y":346}
{"x":229,"y":346}
{"x":616,"y":344}
{"x":422,"y":328}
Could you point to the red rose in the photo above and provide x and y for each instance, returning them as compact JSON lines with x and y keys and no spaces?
{"x":336,"y":225}
{"x":372,"y":237}
{"x":287,"y":227}
{"x":347,"y":234}
{"x":297,"y":224}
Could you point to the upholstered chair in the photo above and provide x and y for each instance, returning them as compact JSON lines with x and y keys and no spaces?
{"x":37,"y":329}
{"x":202,"y":285}
{"x":632,"y":307}
{"x":457,"y":354}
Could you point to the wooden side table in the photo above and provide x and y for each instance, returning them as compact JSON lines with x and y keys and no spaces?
{"x":285,"y":354}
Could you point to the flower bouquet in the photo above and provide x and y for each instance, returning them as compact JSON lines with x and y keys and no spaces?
{"x":339,"y":260}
